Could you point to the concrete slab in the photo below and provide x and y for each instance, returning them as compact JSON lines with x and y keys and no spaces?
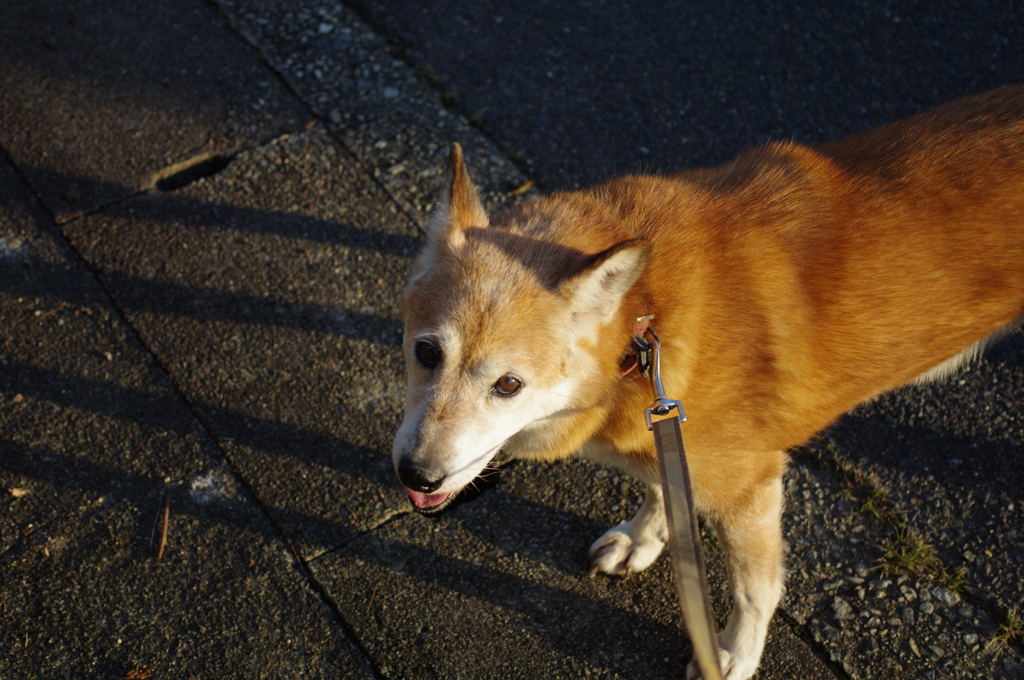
{"x":270,"y":294}
{"x":93,"y":441}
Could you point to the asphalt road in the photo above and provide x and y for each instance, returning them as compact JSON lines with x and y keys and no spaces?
{"x":585,"y":90}
{"x":224,"y":343}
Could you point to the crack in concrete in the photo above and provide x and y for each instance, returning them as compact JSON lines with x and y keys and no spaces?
{"x":389,"y":516}
{"x":816,"y":648}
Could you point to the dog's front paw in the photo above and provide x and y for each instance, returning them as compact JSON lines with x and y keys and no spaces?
{"x":619,"y":553}
{"x":733,"y":667}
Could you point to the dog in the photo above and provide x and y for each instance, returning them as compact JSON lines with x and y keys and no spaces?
{"x":788,"y":286}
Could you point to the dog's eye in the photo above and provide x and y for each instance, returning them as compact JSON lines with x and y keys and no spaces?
{"x":427,"y":353}
{"x":507,"y":385}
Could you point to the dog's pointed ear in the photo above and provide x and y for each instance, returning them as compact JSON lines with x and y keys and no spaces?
{"x":597,"y":289}
{"x":460,"y":206}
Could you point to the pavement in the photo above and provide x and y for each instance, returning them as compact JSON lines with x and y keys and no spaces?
{"x":207,"y":210}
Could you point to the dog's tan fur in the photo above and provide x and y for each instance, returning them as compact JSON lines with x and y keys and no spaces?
{"x":788,"y":286}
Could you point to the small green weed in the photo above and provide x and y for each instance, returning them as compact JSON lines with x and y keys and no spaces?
{"x":1010,"y":632}
{"x":904,"y":551}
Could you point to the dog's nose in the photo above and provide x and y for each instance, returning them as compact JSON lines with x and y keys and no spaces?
{"x":416,"y":478}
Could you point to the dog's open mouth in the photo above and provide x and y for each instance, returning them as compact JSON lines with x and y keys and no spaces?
{"x":433,"y":503}
{"x":428,"y":504}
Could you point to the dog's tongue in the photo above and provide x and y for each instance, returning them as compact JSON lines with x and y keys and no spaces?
{"x":425,"y":501}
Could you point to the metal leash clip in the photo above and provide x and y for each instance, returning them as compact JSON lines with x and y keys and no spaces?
{"x":662,"y":405}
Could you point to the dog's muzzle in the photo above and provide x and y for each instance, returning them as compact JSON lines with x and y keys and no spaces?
{"x":420,"y":485}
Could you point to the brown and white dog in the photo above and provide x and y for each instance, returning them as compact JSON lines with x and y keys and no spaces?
{"x":787,"y":286}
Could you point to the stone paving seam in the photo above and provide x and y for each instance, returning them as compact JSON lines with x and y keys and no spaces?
{"x":324,"y":120}
{"x":86,"y":77}
{"x":300,"y":564}
{"x":831,"y":604}
{"x":70,"y":253}
{"x":394,"y":123}
{"x":388,"y":518}
{"x":400,"y":49}
{"x":154,"y":181}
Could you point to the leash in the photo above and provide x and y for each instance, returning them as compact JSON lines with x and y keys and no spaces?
{"x":683,"y":534}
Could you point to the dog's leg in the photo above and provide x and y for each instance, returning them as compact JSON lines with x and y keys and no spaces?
{"x":752,"y":538}
{"x":634,"y":545}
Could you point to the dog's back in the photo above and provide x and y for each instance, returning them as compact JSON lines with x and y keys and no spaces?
{"x":794,"y":283}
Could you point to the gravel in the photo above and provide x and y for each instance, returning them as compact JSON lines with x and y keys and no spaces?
{"x":873,"y":625}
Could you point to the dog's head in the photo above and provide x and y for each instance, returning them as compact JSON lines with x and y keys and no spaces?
{"x":502,"y":327}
